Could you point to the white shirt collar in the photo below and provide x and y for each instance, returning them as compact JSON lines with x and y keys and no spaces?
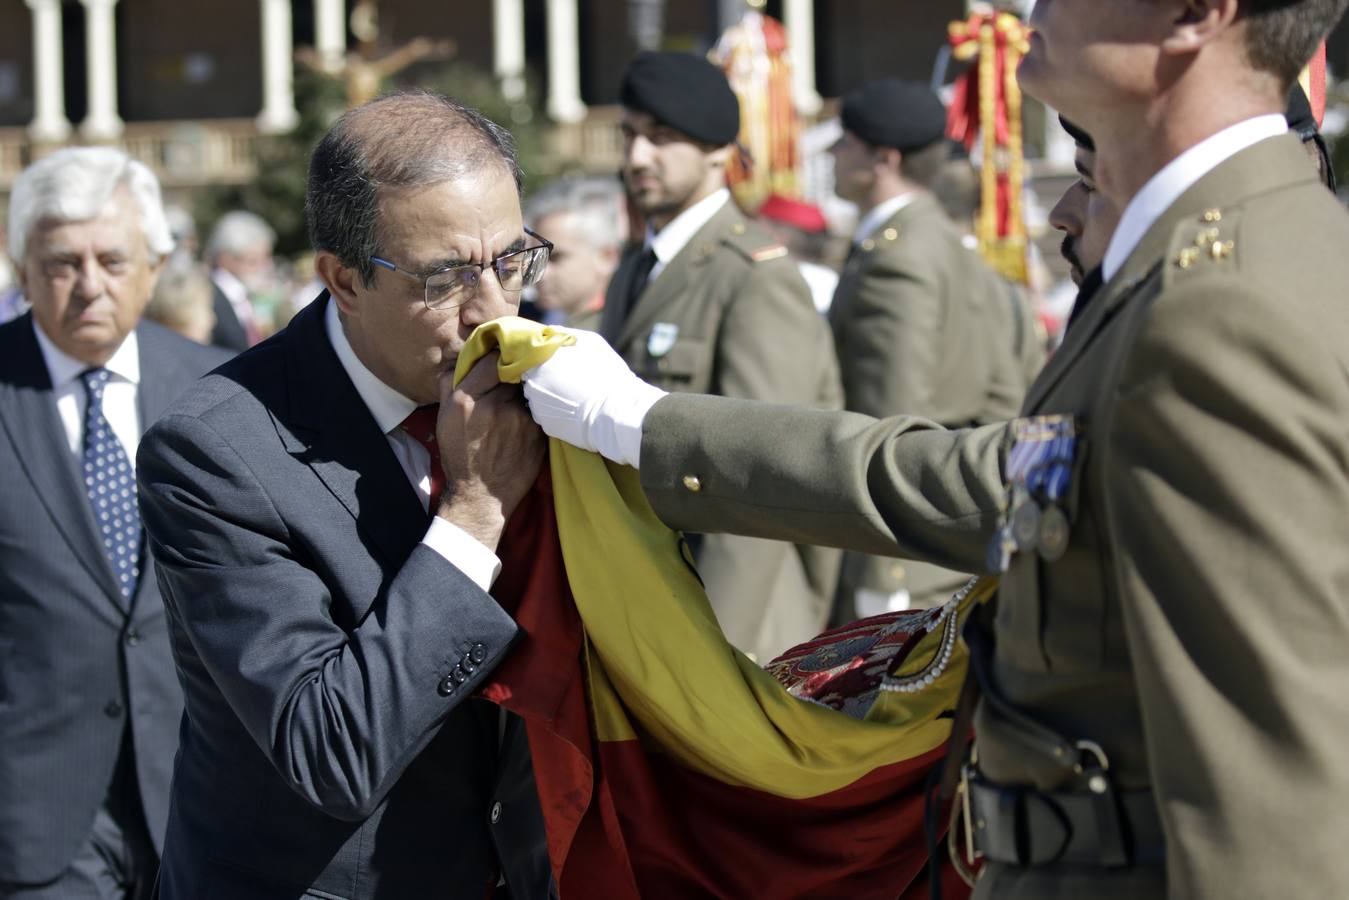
{"x":673,"y":237}
{"x":230,"y":285}
{"x":1177,"y":177}
{"x":387,"y":405}
{"x":63,"y":369}
{"x":880,"y":214}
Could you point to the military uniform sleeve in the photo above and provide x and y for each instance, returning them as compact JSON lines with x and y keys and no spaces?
{"x":893,"y":335}
{"x":767,"y":345}
{"x":1228,"y":487}
{"x":339,"y":713}
{"x":902,"y":487}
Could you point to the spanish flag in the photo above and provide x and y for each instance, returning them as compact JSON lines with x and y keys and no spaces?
{"x":670,"y":765}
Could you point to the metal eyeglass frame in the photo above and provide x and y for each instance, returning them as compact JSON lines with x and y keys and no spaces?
{"x":469,"y":289}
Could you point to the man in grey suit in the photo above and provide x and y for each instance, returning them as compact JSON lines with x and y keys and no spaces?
{"x":89,"y":704}
{"x":325,"y":537}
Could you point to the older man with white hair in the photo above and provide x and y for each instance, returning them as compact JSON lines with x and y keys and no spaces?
{"x":239,"y":254}
{"x":89,"y":703}
{"x":586,"y":221}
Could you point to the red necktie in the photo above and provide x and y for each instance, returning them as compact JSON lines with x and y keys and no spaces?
{"x":421,"y":424}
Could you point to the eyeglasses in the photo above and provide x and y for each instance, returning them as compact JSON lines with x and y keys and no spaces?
{"x":456,"y":285}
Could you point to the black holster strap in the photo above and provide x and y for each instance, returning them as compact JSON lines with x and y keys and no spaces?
{"x":1025,"y":827}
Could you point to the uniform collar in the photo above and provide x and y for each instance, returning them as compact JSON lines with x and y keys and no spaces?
{"x":63,"y":369}
{"x":667,"y":243}
{"x":1178,"y":176}
{"x":388,"y":407}
{"x":880,"y":214}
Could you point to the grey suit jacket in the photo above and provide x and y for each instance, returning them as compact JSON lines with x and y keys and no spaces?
{"x":327,"y":657}
{"x":78,"y":664}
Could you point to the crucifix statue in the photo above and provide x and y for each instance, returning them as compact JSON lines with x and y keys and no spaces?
{"x":364,"y":69}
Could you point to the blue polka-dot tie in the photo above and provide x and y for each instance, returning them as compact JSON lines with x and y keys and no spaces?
{"x":110,"y":481}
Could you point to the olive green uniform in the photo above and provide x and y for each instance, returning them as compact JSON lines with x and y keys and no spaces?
{"x":1196,"y":626}
{"x":923,"y":327}
{"x":731,"y":315}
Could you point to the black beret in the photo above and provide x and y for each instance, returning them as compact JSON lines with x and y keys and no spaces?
{"x":685,"y":92}
{"x":1080,"y":137}
{"x":906,"y":115}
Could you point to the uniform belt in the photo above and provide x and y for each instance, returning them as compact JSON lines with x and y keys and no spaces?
{"x":1022,"y":826}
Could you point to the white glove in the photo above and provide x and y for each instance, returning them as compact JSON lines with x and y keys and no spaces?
{"x":587,"y":396}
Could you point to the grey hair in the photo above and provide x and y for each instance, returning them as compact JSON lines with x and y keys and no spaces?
{"x":595,"y":203}
{"x":74,"y":184}
{"x":404,"y":139}
{"x":237,"y":232}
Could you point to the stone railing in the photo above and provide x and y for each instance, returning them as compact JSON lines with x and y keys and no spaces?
{"x":185,"y":154}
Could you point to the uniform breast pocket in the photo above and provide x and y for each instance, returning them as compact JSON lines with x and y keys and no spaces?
{"x":684,"y":364}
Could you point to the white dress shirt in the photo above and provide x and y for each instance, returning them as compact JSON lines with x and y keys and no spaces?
{"x":389,"y":408}
{"x":680,"y":230}
{"x":880,"y":214}
{"x":1177,"y":177}
{"x":119,"y":395}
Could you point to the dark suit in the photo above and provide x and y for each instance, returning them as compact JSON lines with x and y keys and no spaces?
{"x":327,"y":744}
{"x":229,"y":333}
{"x":79,"y":665}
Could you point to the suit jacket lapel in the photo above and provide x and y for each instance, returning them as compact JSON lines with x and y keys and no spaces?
{"x":1269,"y":165}
{"x":28,"y":411}
{"x":674,"y":278}
{"x":328,"y":427}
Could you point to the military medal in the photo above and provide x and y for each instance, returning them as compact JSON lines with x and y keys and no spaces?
{"x":1039,"y":475}
{"x":1025,"y":524}
{"x":1053,"y":536}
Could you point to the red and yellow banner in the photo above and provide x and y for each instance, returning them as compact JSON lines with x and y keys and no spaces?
{"x":670,"y":765}
{"x":987,"y":106}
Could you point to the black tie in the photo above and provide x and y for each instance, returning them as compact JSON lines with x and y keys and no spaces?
{"x":645,"y":263}
{"x":1091,"y":285}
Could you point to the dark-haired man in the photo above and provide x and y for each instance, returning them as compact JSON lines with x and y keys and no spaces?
{"x":1162,"y":681}
{"x":325,"y":533}
{"x":710,"y":303}
{"x":1085,"y":216}
{"x":922,"y":326}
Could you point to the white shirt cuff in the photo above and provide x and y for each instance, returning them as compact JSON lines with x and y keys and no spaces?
{"x":617,"y":431}
{"x":463,"y":551}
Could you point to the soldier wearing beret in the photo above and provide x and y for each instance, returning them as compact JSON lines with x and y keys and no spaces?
{"x":921,"y":325}
{"x":710,"y":303}
{"x":1161,"y":680}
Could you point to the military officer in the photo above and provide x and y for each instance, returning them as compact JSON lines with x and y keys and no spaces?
{"x":921,"y":325}
{"x":711,"y":304}
{"x":1162,"y":710}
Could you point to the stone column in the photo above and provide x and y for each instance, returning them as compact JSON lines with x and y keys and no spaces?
{"x":100,"y":52}
{"x":330,"y":32}
{"x":508,"y":46}
{"x":798,"y":16}
{"x":278,"y":70}
{"x":49,"y":88}
{"x":564,"y":62}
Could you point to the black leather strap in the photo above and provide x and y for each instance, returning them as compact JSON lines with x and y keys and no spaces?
{"x":1025,"y":827}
